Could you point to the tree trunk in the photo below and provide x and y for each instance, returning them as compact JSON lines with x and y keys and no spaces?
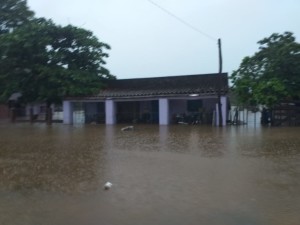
{"x":13,"y":114}
{"x":49,"y":113}
{"x":31,"y":116}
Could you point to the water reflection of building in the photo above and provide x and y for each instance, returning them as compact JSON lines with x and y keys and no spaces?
{"x":160,"y":100}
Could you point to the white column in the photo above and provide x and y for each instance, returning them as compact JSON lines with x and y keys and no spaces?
{"x":224,"y":109}
{"x":217,"y":115}
{"x":163,"y":111}
{"x":110,"y":112}
{"x":67,"y":112}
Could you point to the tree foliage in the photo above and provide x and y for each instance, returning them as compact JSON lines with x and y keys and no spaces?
{"x":13,"y":14}
{"x":46,"y":62}
{"x":272,"y":74}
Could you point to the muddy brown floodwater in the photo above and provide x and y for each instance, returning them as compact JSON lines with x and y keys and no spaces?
{"x":54,"y":175}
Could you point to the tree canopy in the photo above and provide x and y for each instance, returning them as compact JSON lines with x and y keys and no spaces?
{"x":271,"y":75}
{"x":13,"y":14}
{"x":46,"y":62}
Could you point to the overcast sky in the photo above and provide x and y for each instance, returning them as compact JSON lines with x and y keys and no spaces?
{"x":148,"y":42}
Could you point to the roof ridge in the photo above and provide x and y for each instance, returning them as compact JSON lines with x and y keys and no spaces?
{"x":175,"y":76}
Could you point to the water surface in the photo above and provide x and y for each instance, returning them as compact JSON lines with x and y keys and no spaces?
{"x":160,"y":174}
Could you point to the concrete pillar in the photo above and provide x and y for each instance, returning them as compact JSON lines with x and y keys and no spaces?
{"x":223,"y":111}
{"x":110,"y":112}
{"x":164,"y":117}
{"x":67,"y":112}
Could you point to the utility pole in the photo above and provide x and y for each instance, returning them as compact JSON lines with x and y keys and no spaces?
{"x":219,"y":83}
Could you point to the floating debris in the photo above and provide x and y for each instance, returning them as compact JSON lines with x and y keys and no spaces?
{"x":107,"y":185}
{"x":183,"y":123}
{"x":128,"y":128}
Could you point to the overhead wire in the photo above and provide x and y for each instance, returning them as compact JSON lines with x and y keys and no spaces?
{"x":182,"y":21}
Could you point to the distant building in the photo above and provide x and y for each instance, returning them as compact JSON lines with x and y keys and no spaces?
{"x":18,"y":110}
{"x":286,"y":113}
{"x":158,"y":100}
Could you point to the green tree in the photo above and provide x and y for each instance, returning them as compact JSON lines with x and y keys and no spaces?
{"x":13,"y":14}
{"x":46,"y":62}
{"x":272,"y":74}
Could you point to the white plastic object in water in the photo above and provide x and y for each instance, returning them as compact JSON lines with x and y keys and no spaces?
{"x":107,"y":185}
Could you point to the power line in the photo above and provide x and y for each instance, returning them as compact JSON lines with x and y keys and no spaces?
{"x":182,"y":21}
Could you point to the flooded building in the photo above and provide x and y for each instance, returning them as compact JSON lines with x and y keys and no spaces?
{"x":159,"y":100}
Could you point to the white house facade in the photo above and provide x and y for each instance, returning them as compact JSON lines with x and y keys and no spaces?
{"x":160,"y":100}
